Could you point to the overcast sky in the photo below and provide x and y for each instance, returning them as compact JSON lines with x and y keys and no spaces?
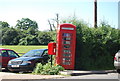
{"x":42,"y":10}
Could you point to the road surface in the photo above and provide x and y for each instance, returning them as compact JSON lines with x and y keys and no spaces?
{"x":113,"y":76}
{"x":95,"y":76}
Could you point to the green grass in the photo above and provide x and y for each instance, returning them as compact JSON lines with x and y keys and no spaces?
{"x":23,"y":49}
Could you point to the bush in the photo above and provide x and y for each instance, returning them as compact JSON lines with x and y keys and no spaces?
{"x":47,"y":69}
{"x":95,"y":47}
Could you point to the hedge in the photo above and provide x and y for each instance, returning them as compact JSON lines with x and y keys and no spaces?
{"x":96,"y":47}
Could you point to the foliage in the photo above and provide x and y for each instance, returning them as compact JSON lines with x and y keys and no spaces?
{"x":9,"y":36}
{"x":4,"y":24}
{"x":25,"y":33}
{"x":32,"y":31}
{"x":12,"y":36}
{"x":45,"y":37}
{"x":29,"y":40}
{"x":95,"y":48}
{"x":47,"y":69}
{"x":26,"y":23}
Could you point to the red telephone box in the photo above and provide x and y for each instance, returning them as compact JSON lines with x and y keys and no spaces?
{"x":65,"y":46}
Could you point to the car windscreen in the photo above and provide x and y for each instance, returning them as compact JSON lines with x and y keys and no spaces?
{"x":33,"y":53}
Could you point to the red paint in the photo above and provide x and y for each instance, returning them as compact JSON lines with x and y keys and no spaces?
{"x":5,"y":59}
{"x":65,"y":46}
{"x":52,"y":48}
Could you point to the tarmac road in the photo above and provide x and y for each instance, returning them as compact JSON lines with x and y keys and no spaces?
{"x":9,"y":75}
{"x":27,"y":76}
{"x":76,"y":75}
{"x":95,"y":76}
{"x":108,"y":74}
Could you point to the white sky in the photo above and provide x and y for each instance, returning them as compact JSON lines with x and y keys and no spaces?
{"x":42,"y":10}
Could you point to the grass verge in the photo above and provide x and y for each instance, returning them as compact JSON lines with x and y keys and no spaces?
{"x":23,"y":49}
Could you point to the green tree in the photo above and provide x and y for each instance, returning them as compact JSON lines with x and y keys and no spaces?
{"x":26,"y":23}
{"x":3,"y":24}
{"x":29,"y":40}
{"x":45,"y":37}
{"x":32,"y":31}
{"x":9,"y":36}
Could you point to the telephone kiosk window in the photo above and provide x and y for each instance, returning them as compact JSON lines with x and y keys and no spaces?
{"x":66,"y":42}
{"x":66,"y":34}
{"x":66,"y":63}
{"x":66,"y":51}
{"x":66,"y":46}
{"x":66,"y":59}
{"x":66,"y":38}
{"x":66,"y":55}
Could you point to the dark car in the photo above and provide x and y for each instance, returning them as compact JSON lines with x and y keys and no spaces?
{"x":28,"y":61}
{"x":5,"y":56}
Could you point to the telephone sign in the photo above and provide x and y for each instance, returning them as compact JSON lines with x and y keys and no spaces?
{"x":65,"y":45}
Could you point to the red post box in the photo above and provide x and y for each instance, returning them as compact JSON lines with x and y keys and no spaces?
{"x":52,"y":48}
{"x":65,"y":45}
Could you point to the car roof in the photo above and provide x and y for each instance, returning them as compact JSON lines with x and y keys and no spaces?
{"x":40,"y":49}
